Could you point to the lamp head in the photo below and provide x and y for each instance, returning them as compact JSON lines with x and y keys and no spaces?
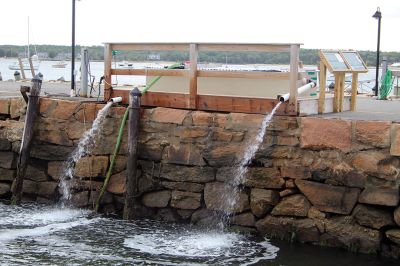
{"x":377,"y":14}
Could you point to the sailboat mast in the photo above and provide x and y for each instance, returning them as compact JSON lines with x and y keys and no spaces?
{"x":29,"y":54}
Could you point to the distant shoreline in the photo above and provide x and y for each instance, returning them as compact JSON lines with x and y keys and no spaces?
{"x":96,"y":54}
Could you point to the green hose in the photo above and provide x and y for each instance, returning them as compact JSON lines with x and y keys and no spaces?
{"x":386,"y":86}
{"x":158,"y":78}
{"x":116,"y":150}
{"x":119,"y":140}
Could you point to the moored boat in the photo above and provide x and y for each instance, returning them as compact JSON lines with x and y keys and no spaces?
{"x":60,"y":64}
{"x":396,"y":64}
{"x":25,"y":65}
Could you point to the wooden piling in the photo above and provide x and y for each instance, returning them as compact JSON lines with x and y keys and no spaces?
{"x":31,"y":66}
{"x":354,"y":85}
{"x":132,"y":187}
{"x":24,"y":152}
{"x":21,"y":67}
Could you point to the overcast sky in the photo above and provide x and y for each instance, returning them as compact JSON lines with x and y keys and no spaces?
{"x":338,"y":24}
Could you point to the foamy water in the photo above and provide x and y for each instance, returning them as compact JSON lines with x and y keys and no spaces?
{"x":85,"y":146}
{"x":40,"y":235}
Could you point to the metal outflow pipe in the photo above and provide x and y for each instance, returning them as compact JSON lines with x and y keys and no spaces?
{"x":302,"y":89}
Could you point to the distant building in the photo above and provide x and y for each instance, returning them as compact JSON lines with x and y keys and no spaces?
{"x":154,"y":57}
{"x":63,"y":56}
{"x":43,"y":55}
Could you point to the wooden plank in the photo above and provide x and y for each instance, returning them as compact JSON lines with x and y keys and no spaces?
{"x":336,"y":93}
{"x":293,"y":76}
{"x":150,"y":46}
{"x":256,"y":47}
{"x":151,"y":72}
{"x":161,"y":99}
{"x":243,"y":74}
{"x":322,"y":85}
{"x":173,"y":100}
{"x":193,"y":76}
{"x":245,"y":47}
{"x":354,"y":85}
{"x":238,"y":104}
{"x":203,"y":73}
{"x":107,"y":72}
{"x":206,"y":102}
{"x":341,"y":92}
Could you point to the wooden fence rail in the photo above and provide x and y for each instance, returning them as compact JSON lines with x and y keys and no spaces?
{"x":193,"y":100}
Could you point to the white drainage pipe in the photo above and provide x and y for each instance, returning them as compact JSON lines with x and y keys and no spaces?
{"x":116,"y":100}
{"x":302,"y":89}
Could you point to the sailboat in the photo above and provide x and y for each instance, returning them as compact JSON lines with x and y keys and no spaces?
{"x":25,"y":62}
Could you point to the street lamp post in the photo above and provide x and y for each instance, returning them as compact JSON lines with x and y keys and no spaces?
{"x":378,"y":16}
{"x":73,"y":51}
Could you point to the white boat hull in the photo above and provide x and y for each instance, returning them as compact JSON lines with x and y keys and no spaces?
{"x":25,"y":66}
{"x":59,"y":65}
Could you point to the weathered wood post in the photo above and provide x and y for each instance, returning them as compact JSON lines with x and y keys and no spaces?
{"x":21,"y":67}
{"x":31,"y":66}
{"x":31,"y":113}
{"x":132,"y":188}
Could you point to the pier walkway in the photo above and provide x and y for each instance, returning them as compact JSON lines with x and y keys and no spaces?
{"x":60,"y":89}
{"x":371,"y":109}
{"x":367,"y":107}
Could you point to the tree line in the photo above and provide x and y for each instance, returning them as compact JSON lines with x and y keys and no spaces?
{"x":307,"y":56}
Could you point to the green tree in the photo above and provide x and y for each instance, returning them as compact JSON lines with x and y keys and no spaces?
{"x":52,"y":54}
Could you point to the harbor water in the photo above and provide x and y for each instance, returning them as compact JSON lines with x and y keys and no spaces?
{"x":97,"y":71}
{"x":50,"y":235}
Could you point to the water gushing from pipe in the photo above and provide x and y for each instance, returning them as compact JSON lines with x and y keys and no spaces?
{"x":231,"y":195}
{"x":84,"y":148}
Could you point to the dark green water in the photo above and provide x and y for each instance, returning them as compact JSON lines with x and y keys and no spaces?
{"x":40,"y":235}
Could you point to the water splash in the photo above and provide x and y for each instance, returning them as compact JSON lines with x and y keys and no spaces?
{"x":84,"y":148}
{"x":199,"y":248}
{"x":231,"y":197}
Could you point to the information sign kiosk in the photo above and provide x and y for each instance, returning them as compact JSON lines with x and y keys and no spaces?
{"x":339,"y":63}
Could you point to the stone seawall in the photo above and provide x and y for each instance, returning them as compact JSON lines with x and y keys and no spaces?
{"x":322,"y":181}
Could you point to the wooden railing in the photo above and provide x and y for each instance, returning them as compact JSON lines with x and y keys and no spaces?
{"x":205,"y":102}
